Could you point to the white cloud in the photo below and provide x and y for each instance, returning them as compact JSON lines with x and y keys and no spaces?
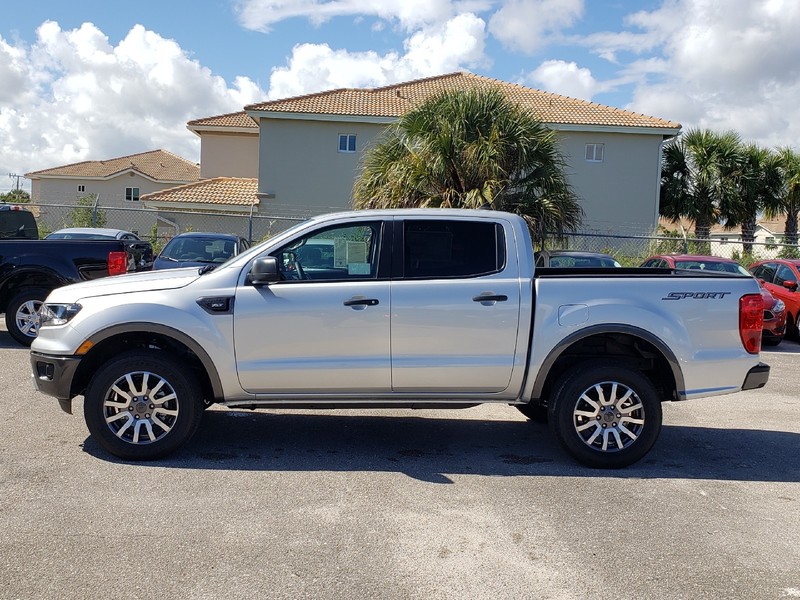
{"x":261,"y":15}
{"x":73,"y":96}
{"x":565,"y":78}
{"x":527,"y":25}
{"x":730,"y":65}
{"x":434,"y":50}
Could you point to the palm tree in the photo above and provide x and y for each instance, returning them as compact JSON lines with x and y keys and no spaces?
{"x":787,"y":203}
{"x":698,"y":177}
{"x":758,"y":183}
{"x":471,"y":149}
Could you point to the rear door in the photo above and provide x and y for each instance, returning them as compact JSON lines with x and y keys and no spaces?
{"x":455,"y":306}
{"x":323,"y":329}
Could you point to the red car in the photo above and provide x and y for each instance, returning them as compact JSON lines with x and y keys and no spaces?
{"x":781,"y":276}
{"x":775,"y":313}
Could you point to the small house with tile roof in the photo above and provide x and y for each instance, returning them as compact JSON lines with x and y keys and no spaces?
{"x":116,"y":183}
{"x":310,"y":147}
{"x":228,"y":145}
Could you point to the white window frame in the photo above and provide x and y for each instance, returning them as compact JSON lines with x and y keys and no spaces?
{"x":81,"y":188}
{"x":595,"y":153}
{"x":130,"y":196}
{"x":349,"y":143}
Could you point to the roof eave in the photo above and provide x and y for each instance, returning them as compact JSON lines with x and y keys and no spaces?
{"x":257,"y":115}
{"x":198,"y":130}
{"x":177,"y":206}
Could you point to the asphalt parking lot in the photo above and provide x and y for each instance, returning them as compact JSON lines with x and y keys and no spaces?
{"x":475,"y":503}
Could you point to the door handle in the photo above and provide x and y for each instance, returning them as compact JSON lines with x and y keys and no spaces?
{"x":490,"y":298}
{"x":361,"y":302}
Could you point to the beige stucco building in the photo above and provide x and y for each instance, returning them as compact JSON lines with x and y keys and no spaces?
{"x":310,"y":147}
{"x":116,"y":184}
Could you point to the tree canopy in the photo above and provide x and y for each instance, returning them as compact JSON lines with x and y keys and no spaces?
{"x":471,"y":149}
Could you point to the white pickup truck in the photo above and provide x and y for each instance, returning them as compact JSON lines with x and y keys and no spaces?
{"x":399,"y":309}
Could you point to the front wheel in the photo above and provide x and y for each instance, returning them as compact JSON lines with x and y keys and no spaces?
{"x":605,"y":416}
{"x":142,"y":405}
{"x":22,"y":315}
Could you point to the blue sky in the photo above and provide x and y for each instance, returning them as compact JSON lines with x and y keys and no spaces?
{"x":91,"y":80}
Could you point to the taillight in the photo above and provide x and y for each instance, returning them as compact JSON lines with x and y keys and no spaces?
{"x":117,"y":263}
{"x":751,"y":321}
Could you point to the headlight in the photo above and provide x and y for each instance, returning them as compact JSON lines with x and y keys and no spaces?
{"x":779,"y":306}
{"x":57,"y":314}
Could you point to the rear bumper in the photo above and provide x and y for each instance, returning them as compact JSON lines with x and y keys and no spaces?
{"x":52,"y":375}
{"x":756,"y":377}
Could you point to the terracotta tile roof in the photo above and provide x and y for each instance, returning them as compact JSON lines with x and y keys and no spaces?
{"x":156,"y":164}
{"x":394,"y":100}
{"x":218,"y":191}
{"x":237,"y":119}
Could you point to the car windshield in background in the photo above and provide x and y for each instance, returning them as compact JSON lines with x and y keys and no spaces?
{"x":719,"y":267}
{"x":196,"y":249}
{"x":568,"y":261}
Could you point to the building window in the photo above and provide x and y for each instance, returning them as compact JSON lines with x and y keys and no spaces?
{"x":347,"y":142}
{"x":81,"y":189}
{"x":132,"y":194}
{"x":595,"y":152}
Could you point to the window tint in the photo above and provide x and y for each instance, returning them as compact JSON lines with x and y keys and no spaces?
{"x":341,"y":252}
{"x":784,"y":273}
{"x":764,"y":272}
{"x":452,"y":248}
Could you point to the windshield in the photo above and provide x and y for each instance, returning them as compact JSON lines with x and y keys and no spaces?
{"x":712,"y":265}
{"x":199,"y":249}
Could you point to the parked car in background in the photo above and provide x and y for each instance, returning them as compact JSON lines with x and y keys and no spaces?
{"x":198,"y":249}
{"x":17,"y":222}
{"x":695,"y":262}
{"x":91,"y":233}
{"x":573,"y":258}
{"x":775,"y":313}
{"x":781,"y":276}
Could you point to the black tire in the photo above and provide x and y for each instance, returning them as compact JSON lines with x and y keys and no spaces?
{"x":598,"y":422}
{"x":22,"y":315}
{"x":791,"y":328}
{"x":535,"y":412}
{"x":161,"y":415}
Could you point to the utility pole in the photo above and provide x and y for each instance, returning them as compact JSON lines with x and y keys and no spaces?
{"x":17,"y":177}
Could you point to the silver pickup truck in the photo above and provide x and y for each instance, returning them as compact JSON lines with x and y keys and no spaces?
{"x":399,"y":309}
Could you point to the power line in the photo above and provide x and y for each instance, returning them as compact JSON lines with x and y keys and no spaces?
{"x":17,"y":177}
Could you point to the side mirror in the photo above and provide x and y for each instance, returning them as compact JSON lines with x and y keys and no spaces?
{"x":265,"y":271}
{"x":790,"y":284}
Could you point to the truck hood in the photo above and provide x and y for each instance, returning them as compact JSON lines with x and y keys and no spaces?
{"x":150,"y":281}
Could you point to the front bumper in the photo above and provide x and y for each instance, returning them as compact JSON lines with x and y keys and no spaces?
{"x":756,"y":377}
{"x":53,"y":375}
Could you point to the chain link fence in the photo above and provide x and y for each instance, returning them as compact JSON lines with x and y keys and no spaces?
{"x":631,"y":251}
{"x":159,"y":226}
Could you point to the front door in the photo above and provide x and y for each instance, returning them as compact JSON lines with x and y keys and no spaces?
{"x":325,"y":327}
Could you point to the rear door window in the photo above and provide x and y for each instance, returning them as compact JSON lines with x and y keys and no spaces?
{"x":452,"y":248}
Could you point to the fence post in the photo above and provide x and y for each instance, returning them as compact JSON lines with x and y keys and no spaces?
{"x":94,"y":210}
{"x":250,"y":223}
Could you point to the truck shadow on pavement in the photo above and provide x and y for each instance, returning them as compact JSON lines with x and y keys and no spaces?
{"x":438,"y":450}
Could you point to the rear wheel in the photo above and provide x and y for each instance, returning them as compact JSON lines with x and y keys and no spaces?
{"x":22,"y":315}
{"x":142,"y":405}
{"x":791,"y":328}
{"x":605,"y":415}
